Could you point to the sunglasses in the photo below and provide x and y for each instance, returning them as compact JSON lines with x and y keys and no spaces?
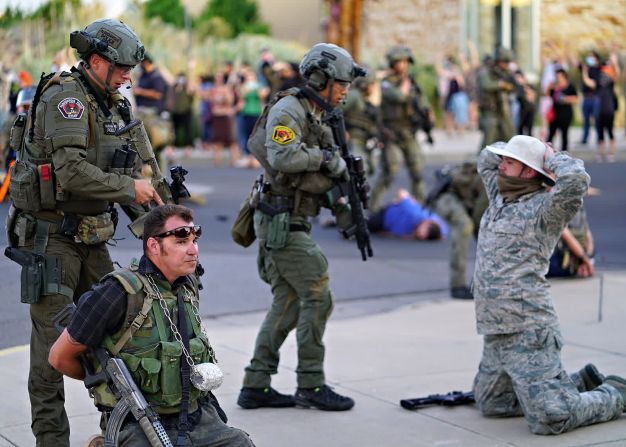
{"x":182,"y":232}
{"x":125,"y":69}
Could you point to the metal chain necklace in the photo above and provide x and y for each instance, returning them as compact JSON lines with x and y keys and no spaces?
{"x":204,"y":376}
{"x":196,"y":313}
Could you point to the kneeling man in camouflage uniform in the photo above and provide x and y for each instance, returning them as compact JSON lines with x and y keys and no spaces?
{"x":520,"y":372}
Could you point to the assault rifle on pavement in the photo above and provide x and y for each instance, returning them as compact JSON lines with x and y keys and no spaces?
{"x":356,"y":188}
{"x":115,"y":374}
{"x":451,"y":399}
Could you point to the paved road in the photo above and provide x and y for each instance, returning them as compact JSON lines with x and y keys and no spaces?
{"x":398,"y":268}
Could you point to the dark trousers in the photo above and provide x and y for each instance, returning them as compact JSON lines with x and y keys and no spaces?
{"x":589,"y":111}
{"x":561,"y":123}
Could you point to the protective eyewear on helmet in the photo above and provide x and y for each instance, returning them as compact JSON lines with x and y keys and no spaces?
{"x":182,"y":232}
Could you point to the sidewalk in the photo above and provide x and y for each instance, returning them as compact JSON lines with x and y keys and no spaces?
{"x":378,"y":359}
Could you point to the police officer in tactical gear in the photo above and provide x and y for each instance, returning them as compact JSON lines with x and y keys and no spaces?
{"x":363,"y":121}
{"x":301,"y":165}
{"x":495,"y":83}
{"x":136,"y":313}
{"x":401,"y":105}
{"x":71,"y":167}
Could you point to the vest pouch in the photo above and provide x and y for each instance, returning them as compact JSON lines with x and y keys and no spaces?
{"x":47,"y":190}
{"x":171,"y":392}
{"x":17,"y":132}
{"x":278,"y":231}
{"x":96,"y":229}
{"x":242,"y":231}
{"x":24,"y":186}
{"x":145,"y":369}
{"x":199,"y":351}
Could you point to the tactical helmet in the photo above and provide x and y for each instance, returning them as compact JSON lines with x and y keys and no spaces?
{"x":25,"y":96}
{"x":362,"y":82}
{"x":399,"y":53}
{"x":326,"y":61}
{"x":503,"y":55}
{"x":111,"y":39}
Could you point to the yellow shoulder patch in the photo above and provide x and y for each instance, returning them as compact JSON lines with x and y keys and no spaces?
{"x":283,"y":135}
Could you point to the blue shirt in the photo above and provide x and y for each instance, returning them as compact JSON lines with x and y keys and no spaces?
{"x":401,"y":218}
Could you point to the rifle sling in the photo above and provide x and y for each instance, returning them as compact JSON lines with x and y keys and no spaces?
{"x":311,"y":94}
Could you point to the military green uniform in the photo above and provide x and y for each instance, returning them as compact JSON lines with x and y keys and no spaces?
{"x":398,"y":112}
{"x":289,"y":260}
{"x":493,"y":105}
{"x":362,"y":123}
{"x":73,"y":144}
{"x":461,"y":205}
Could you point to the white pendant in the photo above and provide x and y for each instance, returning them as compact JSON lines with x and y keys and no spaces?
{"x":206,"y":376}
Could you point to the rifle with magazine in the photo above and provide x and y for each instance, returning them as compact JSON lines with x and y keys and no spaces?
{"x":356,"y":188}
{"x":451,"y":399}
{"x":114,"y":372}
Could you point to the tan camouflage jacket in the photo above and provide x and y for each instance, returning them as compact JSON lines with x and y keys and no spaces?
{"x":515,"y":242}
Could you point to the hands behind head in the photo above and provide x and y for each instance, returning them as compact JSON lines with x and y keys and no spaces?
{"x":549,"y":152}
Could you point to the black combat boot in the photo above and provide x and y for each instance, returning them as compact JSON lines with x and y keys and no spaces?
{"x":590,"y":378}
{"x":462,"y":293}
{"x":250,"y":398}
{"x":323,"y":398}
{"x":619,"y":383}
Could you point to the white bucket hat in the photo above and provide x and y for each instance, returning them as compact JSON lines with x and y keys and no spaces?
{"x":527,"y":150}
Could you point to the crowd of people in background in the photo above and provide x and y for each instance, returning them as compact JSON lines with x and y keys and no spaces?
{"x":216,"y":112}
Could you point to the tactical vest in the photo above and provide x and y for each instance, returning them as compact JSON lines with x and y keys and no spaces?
{"x":398,"y":114}
{"x":33,"y":184}
{"x":361,"y":119}
{"x":146,"y":344}
{"x":305,"y":188}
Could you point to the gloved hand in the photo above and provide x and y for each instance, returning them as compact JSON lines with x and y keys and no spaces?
{"x":333,"y":163}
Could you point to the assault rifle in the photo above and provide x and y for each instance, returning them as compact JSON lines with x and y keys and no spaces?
{"x":443,"y":180}
{"x":170,"y":193}
{"x":420,"y":119}
{"x":115,"y":374}
{"x":356,"y":188}
{"x":451,"y":399}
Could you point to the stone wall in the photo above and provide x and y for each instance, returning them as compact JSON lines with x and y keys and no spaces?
{"x":430,"y":28}
{"x":577,"y":25}
{"x":433,"y":27}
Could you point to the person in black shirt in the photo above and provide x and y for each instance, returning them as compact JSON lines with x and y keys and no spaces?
{"x":563,"y":94}
{"x":590,"y":99}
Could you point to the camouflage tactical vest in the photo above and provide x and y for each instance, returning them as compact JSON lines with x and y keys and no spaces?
{"x":146,"y":344}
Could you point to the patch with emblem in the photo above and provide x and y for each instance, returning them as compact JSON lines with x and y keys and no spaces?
{"x":110,"y":38}
{"x":283,"y":135}
{"x":71,"y":108}
{"x":110,"y":128}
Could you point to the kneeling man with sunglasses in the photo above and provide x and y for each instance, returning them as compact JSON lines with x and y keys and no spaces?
{"x":147,"y":315}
